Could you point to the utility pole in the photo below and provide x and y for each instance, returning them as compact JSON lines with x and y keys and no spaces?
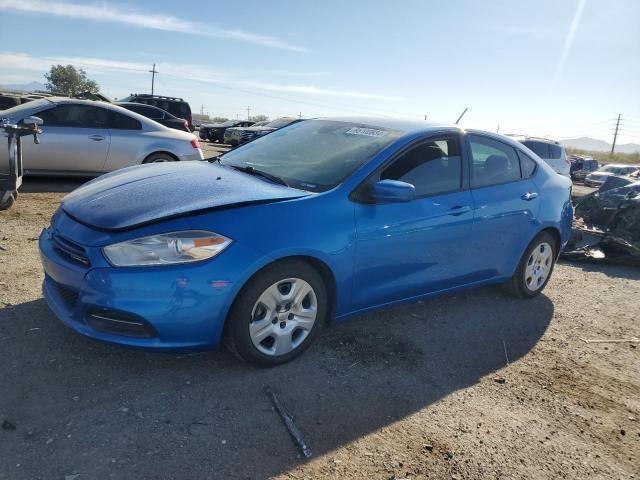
{"x":153,"y":77}
{"x":498,"y":129}
{"x":248,"y":113}
{"x":300,"y":116}
{"x":615,"y":135}
{"x":425,"y":116}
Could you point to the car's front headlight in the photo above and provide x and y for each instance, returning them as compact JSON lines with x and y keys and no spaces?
{"x":166,"y":249}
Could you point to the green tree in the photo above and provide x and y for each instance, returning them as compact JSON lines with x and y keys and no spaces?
{"x":69,"y":80}
{"x":259,"y":118}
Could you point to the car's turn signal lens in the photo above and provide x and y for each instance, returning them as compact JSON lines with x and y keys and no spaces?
{"x":166,"y":249}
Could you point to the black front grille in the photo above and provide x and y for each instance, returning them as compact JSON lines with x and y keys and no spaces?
{"x":68,"y":295}
{"x":69,"y":249}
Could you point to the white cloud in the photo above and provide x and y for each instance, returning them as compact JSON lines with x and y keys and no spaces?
{"x":193,"y":72}
{"x":104,"y":12}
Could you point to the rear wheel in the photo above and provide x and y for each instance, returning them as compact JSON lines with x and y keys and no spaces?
{"x":159,"y":157}
{"x":535,"y":267}
{"x":277,"y":315}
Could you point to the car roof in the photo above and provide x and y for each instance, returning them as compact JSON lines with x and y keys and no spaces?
{"x":411,"y":127}
{"x":136,"y":104}
{"x":403,"y":125}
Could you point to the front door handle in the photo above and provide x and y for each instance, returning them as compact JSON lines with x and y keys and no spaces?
{"x":97,"y":138}
{"x":459,"y":210}
{"x":529,"y":196}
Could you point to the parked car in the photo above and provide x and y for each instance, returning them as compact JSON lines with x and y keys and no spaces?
{"x":324,"y":219}
{"x":214,"y":132}
{"x":581,"y":167}
{"x":9,"y":100}
{"x":238,"y":136}
{"x":88,"y":138}
{"x":597,"y":179}
{"x":550,"y":151}
{"x":177,"y":107}
{"x":157,"y":114}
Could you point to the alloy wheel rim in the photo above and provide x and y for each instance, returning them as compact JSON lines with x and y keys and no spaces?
{"x":283,"y":316}
{"x":538,"y":267}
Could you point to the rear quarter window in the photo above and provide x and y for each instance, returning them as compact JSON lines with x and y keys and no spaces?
{"x":119,"y":121}
{"x":527,"y":164}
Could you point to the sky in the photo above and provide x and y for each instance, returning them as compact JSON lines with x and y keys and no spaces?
{"x":558,"y":68}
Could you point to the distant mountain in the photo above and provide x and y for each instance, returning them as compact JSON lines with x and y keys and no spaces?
{"x":595,"y":145}
{"x":28,"y":87}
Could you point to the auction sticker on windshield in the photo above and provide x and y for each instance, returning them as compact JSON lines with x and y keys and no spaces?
{"x":368,"y":132}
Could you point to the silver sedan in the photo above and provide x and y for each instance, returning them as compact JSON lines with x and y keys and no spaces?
{"x":87,"y":138}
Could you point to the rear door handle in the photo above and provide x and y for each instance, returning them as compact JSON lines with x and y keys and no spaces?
{"x":459,"y":210}
{"x":529,"y":196}
{"x":97,"y":138}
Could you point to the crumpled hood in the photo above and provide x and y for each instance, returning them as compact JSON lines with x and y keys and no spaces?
{"x":143,"y":194}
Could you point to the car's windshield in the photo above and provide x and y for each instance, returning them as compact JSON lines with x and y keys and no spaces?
{"x":230,"y":123}
{"x":18,"y":109}
{"x":279,"y":123}
{"x":313,"y":155}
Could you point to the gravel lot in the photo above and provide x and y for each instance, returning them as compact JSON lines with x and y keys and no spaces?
{"x":473,"y":385}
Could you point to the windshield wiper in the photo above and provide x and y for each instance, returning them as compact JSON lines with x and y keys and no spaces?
{"x":259,"y":173}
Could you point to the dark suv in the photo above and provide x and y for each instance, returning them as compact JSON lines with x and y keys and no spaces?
{"x":175,"y":106}
{"x":581,"y":167}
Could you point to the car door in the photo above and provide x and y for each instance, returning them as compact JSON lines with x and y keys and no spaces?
{"x":74,"y":139}
{"x":506,"y":202}
{"x":128,"y":141}
{"x":412,"y":248}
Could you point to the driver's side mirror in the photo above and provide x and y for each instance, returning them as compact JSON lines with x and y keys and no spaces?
{"x":393,"y":191}
{"x":31,"y":121}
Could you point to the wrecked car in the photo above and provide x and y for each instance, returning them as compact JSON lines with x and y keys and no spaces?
{"x":321,"y":220}
{"x":607,"y":224}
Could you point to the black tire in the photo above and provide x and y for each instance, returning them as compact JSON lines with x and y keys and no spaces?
{"x":7,"y":200}
{"x":159,"y":157}
{"x":517,"y":286}
{"x":236,"y":336}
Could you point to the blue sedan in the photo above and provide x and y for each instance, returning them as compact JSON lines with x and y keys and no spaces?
{"x":319,"y":221}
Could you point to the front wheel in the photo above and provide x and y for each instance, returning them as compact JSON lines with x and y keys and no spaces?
{"x":535,"y":267}
{"x":277,"y":314}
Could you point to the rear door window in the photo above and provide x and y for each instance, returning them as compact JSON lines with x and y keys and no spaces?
{"x":539,"y":148}
{"x":492,"y":162}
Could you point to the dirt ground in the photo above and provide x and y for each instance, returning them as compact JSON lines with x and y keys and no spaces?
{"x":472,"y":385}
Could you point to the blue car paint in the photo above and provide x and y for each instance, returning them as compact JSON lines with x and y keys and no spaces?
{"x":375,"y":255}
